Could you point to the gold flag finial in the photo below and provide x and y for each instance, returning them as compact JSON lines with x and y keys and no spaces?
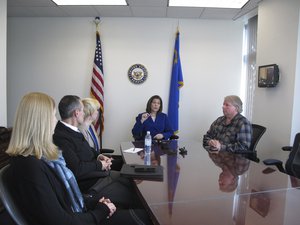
{"x":97,"y":22}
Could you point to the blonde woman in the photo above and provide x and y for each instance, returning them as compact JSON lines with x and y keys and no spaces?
{"x":40,"y":191}
{"x":91,"y":113}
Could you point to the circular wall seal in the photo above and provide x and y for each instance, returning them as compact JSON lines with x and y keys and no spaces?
{"x":137,"y":73}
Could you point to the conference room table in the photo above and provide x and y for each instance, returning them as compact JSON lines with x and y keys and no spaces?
{"x":200,"y":187}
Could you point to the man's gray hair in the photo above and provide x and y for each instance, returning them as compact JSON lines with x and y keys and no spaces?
{"x":235,"y":101}
{"x":67,"y":105}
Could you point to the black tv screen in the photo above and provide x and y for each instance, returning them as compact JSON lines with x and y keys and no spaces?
{"x":268,"y":75}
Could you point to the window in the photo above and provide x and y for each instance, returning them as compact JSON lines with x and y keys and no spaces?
{"x":249,"y":70}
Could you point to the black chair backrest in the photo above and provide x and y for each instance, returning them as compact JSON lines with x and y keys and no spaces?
{"x":258,"y":132}
{"x":290,"y":161}
{"x":7,"y":199}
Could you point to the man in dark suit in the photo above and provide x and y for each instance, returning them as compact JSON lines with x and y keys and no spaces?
{"x":92,"y":173}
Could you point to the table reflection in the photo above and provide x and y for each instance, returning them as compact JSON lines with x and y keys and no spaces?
{"x":203,"y":188}
{"x":232,"y":166}
{"x":169,"y":150}
{"x":158,"y":149}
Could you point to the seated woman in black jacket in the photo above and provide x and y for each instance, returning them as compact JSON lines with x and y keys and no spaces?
{"x":42,"y":186}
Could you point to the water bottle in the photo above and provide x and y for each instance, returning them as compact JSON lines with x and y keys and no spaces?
{"x":148,"y":143}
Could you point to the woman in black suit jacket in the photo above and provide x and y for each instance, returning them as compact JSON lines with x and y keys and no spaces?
{"x":38,"y":189}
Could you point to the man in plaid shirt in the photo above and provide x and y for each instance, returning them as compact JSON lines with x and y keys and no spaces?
{"x":231,"y":132}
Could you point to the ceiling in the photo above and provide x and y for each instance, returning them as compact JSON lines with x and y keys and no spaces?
{"x":134,"y":8}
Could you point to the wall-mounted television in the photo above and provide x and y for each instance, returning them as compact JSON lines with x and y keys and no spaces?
{"x":268,"y":75}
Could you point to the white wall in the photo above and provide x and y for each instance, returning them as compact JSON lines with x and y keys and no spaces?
{"x":55,"y":55}
{"x":3,"y":21}
{"x":278,"y":24}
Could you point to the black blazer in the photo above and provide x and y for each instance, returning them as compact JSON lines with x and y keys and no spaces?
{"x":43,"y":198}
{"x":79,"y":156}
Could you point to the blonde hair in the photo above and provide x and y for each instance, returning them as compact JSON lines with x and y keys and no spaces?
{"x":90,"y":105}
{"x":33,"y":128}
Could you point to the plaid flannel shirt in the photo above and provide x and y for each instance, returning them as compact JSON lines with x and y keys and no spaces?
{"x":235,"y":136}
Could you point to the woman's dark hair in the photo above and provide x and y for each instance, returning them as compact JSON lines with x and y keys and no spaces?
{"x":148,"y":109}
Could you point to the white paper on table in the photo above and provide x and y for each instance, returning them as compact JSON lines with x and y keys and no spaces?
{"x":133,"y":150}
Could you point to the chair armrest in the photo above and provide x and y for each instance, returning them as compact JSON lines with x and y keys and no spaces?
{"x":287,"y":148}
{"x":106,"y":150}
{"x":272,"y":162}
{"x":275,"y":162}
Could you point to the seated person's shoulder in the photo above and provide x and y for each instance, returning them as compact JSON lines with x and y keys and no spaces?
{"x":245,"y":120}
{"x":219,"y":120}
{"x":162,"y":114}
{"x":61,"y":139}
{"x":240,"y":117}
{"x":29,"y":165}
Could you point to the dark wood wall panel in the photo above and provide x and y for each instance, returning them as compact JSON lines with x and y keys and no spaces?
{"x":5,"y":134}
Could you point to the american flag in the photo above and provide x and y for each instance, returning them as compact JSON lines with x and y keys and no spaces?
{"x":97,"y":87}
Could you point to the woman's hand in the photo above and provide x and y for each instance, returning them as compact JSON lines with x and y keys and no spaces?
{"x":142,"y":154}
{"x":109,"y":204}
{"x":158,"y":136}
{"x":144,"y":117}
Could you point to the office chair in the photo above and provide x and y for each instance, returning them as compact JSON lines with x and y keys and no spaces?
{"x":103,"y":150}
{"x":257,"y":133}
{"x":106,"y":151}
{"x":7,"y":199}
{"x":292,"y":164}
{"x":5,"y":134}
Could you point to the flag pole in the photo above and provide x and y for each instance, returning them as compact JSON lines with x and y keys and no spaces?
{"x":100,"y":126}
{"x":97,"y":22}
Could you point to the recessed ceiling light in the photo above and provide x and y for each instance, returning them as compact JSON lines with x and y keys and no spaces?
{"x":209,"y":3}
{"x":90,"y":2}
